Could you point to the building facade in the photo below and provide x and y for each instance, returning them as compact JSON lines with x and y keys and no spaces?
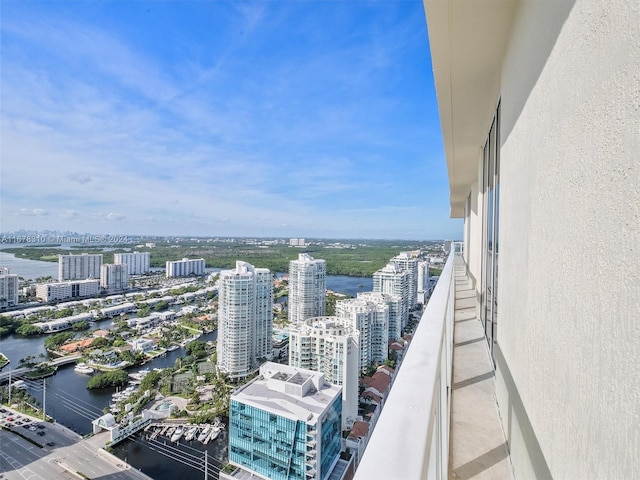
{"x":424,"y":284}
{"x":408,"y":261}
{"x":330,"y":346}
{"x":371,"y":320}
{"x":245,"y":319}
{"x":285,"y":424}
{"x":49,"y":292}
{"x":540,"y":113}
{"x":138,"y":263}
{"x":307,"y":285}
{"x":79,"y":267}
{"x":114,"y":278}
{"x":8,"y":288}
{"x":393,"y":280}
{"x":185,"y":267}
{"x":394,"y":304}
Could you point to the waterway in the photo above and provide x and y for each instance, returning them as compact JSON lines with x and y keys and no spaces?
{"x":69,"y":401}
{"x":32,"y":269}
{"x":73,"y":405}
{"x":28,"y":269}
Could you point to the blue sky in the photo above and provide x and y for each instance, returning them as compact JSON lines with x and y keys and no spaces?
{"x":267,"y":118}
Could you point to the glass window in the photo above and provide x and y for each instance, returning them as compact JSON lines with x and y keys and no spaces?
{"x":491,"y":191}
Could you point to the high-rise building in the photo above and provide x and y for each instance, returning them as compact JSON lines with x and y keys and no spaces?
{"x":424,"y":284}
{"x":114,"y":278}
{"x":371,"y":320}
{"x":285,"y":424}
{"x":540,"y":112}
{"x":394,"y":302}
{"x":245,"y":319}
{"x":329,"y":345}
{"x":395,"y":281}
{"x":409,"y":263}
{"x":8,"y":288}
{"x":185,"y":267}
{"x":297,"y":242}
{"x":307,"y":285}
{"x":79,"y":267}
{"x":138,"y":263}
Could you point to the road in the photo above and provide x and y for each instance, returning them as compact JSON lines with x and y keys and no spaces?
{"x":19,"y":372}
{"x":57,"y":453}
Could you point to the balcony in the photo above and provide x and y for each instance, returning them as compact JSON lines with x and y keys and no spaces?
{"x":440,"y":419}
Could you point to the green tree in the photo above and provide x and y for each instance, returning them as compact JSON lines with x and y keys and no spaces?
{"x":197,"y":349}
{"x":100,"y":342}
{"x":26,"y":330}
{"x":55,"y":341}
{"x":117,"y":378}
{"x":82,"y":325}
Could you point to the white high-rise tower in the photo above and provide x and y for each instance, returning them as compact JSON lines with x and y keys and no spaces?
{"x":330,"y":346}
{"x":79,"y":267}
{"x":371,"y":320}
{"x":409,"y":263}
{"x":395,"y":281}
{"x":245,"y":317}
{"x":307,"y":283}
{"x":137,"y":262}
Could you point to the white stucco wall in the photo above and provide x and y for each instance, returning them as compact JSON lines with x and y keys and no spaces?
{"x":569,"y":272}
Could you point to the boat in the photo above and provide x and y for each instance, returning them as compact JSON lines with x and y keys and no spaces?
{"x":172,"y":348}
{"x":19,"y":385}
{"x":170,"y":431}
{"x":177,"y":434}
{"x":188,"y":436}
{"x":83,"y":369}
{"x":215,"y":433}
{"x":204,"y":434}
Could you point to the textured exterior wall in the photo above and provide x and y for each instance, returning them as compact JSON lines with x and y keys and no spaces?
{"x":569,"y":272}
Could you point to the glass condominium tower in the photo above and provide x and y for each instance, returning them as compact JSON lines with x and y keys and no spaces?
{"x":285,"y":425}
{"x":245,"y":319}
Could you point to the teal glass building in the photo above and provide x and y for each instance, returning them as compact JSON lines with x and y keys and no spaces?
{"x":286,"y":424}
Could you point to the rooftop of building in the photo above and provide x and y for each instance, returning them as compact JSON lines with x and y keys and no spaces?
{"x":359,"y":429}
{"x":333,"y":325}
{"x":290,"y":392}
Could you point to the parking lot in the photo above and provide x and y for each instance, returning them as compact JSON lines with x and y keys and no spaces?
{"x":41,"y":450}
{"x":29,"y":425}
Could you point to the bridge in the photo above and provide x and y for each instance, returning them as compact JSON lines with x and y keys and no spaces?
{"x":21,"y":372}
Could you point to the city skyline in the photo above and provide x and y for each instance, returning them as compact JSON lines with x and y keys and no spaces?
{"x":221,"y":118}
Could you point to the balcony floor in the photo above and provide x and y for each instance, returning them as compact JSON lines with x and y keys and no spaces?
{"x":478,"y":447}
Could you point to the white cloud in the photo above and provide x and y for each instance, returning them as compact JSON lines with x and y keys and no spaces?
{"x":32,"y":212}
{"x":116,"y":217}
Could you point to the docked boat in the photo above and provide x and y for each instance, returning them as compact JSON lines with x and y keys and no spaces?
{"x":177,"y":434}
{"x":204,"y":434}
{"x":188,"y":436}
{"x":19,"y":385}
{"x":215,"y":432}
{"x":83,"y":369}
{"x":171,"y":348}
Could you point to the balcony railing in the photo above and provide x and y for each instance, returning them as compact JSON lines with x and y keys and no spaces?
{"x":411,"y":438}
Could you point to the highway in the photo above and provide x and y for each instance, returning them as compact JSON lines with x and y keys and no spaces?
{"x":57,"y":453}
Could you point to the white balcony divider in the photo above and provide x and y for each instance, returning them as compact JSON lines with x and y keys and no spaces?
{"x":411,"y":438}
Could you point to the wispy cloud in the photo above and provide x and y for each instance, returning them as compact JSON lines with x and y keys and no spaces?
{"x":32,"y":212}
{"x":250,"y":116}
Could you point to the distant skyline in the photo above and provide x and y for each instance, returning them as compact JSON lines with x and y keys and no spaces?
{"x":211,"y":118}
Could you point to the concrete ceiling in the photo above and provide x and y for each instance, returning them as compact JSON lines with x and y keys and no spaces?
{"x":468,"y":39}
